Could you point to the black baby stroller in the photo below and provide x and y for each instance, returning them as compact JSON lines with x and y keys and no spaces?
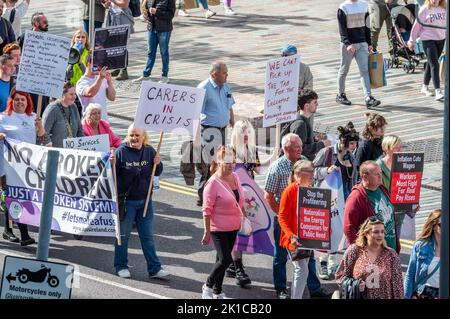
{"x":403,"y":18}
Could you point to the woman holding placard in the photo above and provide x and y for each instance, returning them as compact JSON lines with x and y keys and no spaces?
{"x":301,"y":176}
{"x":20,"y":123}
{"x":61,"y":118}
{"x":93,"y":124}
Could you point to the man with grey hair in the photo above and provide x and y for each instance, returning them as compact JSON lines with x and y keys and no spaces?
{"x":276,"y":181}
{"x":216,"y":114}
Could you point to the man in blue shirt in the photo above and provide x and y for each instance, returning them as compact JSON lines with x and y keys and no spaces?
{"x":6,"y":71}
{"x":216,"y":114}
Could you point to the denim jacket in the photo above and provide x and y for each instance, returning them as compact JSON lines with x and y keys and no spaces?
{"x":421,"y":257}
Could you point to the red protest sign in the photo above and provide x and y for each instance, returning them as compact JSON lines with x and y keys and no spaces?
{"x":406,"y":179}
{"x":314,"y":207}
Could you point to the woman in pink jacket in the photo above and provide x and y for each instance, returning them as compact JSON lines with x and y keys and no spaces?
{"x":223,"y":201}
{"x":433,"y":12}
{"x":94,"y":125}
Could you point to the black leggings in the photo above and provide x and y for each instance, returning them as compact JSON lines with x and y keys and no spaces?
{"x":23,"y":228}
{"x":223,"y":242}
{"x":433,"y":50}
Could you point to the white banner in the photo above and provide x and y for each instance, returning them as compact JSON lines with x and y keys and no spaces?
{"x":99,"y":143}
{"x":43,"y":64}
{"x":169,"y":108}
{"x":85,"y":198}
{"x":281,"y":90}
{"x":334,"y":182}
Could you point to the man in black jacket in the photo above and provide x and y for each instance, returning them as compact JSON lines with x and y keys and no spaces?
{"x":159,"y":14}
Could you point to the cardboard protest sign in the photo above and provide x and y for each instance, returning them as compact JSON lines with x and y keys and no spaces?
{"x":110,"y":47}
{"x":85,"y":197}
{"x":43,"y":64}
{"x":169,"y":108}
{"x":98,"y":143}
{"x":281,"y":90}
{"x":406,"y":179}
{"x":314,"y":208}
{"x":260,"y":215}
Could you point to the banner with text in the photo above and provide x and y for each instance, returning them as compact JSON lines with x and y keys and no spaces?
{"x":85,"y":199}
{"x":406,"y":179}
{"x":169,"y":108}
{"x":260,"y":215}
{"x":42,"y":68}
{"x":98,"y":143}
{"x":334,"y":183}
{"x":281,"y":90}
{"x":314,"y":208}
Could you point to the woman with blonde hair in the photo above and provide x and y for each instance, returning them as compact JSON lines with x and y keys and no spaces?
{"x":370,"y":260}
{"x":243,"y":142}
{"x":301,"y":176}
{"x":222,"y":208}
{"x":422,"y":276}
{"x":134,"y":161}
{"x":433,"y":12}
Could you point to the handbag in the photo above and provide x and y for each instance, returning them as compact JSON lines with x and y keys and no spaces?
{"x":376,"y":71}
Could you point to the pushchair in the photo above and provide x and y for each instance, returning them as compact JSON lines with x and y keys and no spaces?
{"x":403,"y":18}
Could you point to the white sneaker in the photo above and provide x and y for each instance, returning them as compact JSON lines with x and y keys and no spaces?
{"x":229,"y":12}
{"x":425,"y":90}
{"x":124,"y":273}
{"x":164,"y":79}
{"x":209,"y":14}
{"x":141,"y":78}
{"x":439,"y":95}
{"x":183,"y":13}
{"x":160,"y":274}
{"x":207,"y":293}
{"x":220,"y":296}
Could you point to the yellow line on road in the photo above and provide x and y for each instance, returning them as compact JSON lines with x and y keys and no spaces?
{"x":178,"y":191}
{"x":167,"y":184}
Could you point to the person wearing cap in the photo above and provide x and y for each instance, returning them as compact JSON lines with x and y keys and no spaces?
{"x":305,"y":78}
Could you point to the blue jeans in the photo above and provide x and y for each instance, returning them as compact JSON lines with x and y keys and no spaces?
{"x":97,"y":25}
{"x":135,"y":209}
{"x":279,"y":260}
{"x":154,"y":39}
{"x":204,"y":4}
{"x":313,"y":282}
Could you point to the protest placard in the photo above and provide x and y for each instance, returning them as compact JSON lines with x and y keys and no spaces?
{"x":406,"y":179}
{"x":110,"y":48}
{"x":85,"y":197}
{"x":314,"y":208}
{"x":169,"y":108}
{"x":260,"y":215}
{"x":281,"y":90}
{"x":43,"y":64}
{"x":99,"y":143}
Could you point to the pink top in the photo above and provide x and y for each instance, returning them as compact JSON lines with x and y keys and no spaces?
{"x":434,"y":16}
{"x":219,"y":202}
{"x":103,"y":128}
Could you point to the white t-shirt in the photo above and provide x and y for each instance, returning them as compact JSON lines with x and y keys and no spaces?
{"x":99,"y":98}
{"x":433,"y":281}
{"x":19,"y":127}
{"x":21,"y":10}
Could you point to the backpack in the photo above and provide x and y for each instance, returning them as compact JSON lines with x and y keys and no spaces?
{"x":135,"y":8}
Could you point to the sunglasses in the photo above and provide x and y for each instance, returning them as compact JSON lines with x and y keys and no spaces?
{"x":374,"y":219}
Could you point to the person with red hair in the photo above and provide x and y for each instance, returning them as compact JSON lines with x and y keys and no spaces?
{"x":20,"y":123}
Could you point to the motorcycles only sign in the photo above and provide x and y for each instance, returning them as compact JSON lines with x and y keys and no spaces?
{"x":34,"y":279}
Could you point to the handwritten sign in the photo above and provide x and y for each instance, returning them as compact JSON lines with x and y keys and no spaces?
{"x":314,"y":207}
{"x":43,"y":65}
{"x":99,"y":143}
{"x":281,"y":90}
{"x":406,"y":179}
{"x":110,"y":47}
{"x":169,"y":108}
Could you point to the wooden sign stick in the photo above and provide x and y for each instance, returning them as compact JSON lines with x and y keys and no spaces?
{"x":153,"y":174}
{"x":119,"y":239}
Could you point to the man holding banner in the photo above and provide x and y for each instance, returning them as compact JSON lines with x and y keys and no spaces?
{"x":217,"y":113}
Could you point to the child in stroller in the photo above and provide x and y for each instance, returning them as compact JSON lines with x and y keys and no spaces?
{"x":403,"y":18}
